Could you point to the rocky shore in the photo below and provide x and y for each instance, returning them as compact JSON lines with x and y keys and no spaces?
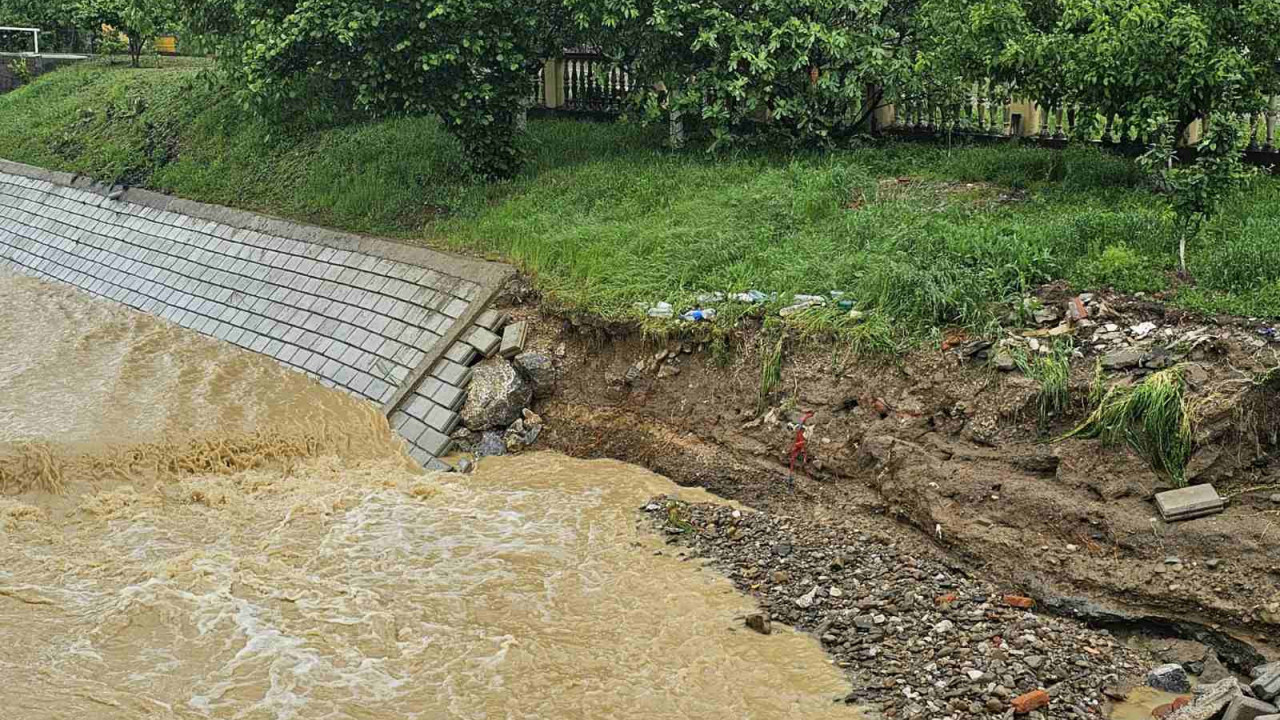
{"x":918,"y":639}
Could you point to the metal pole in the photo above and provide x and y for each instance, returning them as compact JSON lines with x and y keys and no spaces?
{"x":36,"y":34}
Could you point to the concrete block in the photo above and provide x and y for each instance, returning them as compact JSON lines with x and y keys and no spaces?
{"x":438,"y":465}
{"x":484,"y":341}
{"x":441,"y":419}
{"x":461,"y":353}
{"x":1267,"y":686}
{"x":434,"y":442}
{"x":412,"y":429}
{"x":1189,"y":502}
{"x":1247,"y":708}
{"x":451,"y":372}
{"x":491,"y":320}
{"x":513,"y":339}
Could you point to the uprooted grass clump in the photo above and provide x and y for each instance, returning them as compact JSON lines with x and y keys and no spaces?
{"x":1053,"y":372}
{"x":1153,"y":416}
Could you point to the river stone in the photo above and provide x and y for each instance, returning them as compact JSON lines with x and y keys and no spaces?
{"x":1169,"y":678}
{"x":1213,"y":670}
{"x":491,"y":443}
{"x":539,"y":370}
{"x":496,"y":396}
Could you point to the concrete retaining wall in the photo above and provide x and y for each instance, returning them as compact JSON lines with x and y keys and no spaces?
{"x":382,"y":320}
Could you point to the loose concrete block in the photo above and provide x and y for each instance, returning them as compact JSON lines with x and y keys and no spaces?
{"x":491,"y":320}
{"x":1267,"y":686}
{"x":1189,"y":502}
{"x":484,"y":341}
{"x":1247,"y":708}
{"x":513,"y":339}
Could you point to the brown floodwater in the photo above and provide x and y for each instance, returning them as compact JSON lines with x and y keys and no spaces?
{"x":188,"y":530}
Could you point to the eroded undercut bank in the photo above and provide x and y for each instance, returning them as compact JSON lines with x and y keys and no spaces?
{"x":952,"y":453}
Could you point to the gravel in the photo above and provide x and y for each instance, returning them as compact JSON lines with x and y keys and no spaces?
{"x":917,"y":639}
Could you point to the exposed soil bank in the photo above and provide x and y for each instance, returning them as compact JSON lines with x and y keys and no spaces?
{"x":953,"y":448}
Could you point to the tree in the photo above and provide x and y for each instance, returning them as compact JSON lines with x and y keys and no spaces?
{"x":472,"y":62}
{"x":1160,"y":65}
{"x":813,"y":70}
{"x":49,"y":16}
{"x":139,"y":20}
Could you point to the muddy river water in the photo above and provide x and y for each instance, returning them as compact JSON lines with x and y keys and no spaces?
{"x":188,"y":530}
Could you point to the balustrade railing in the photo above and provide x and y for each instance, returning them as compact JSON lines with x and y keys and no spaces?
{"x":583,"y":81}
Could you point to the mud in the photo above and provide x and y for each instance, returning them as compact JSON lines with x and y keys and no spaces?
{"x":954,"y":450}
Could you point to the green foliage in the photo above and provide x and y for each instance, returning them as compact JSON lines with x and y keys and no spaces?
{"x":470,"y":62}
{"x":1121,"y":267}
{"x":1198,"y":191}
{"x":810,"y":71}
{"x":21,"y":70}
{"x":1152,"y":417}
{"x":140,"y":20}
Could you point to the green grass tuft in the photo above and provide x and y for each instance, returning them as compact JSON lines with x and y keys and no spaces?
{"x":1152,"y":416}
{"x":1053,"y":372}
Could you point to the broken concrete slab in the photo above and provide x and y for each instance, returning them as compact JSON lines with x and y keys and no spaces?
{"x":1189,"y":502}
{"x":513,"y":339}
{"x":1208,"y":701}
{"x":1267,"y":686}
{"x":1247,"y":708}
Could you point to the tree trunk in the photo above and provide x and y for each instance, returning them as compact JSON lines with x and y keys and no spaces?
{"x":135,"y":51}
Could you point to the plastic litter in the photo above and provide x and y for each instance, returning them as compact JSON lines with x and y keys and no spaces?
{"x":815,"y":299}
{"x":797,"y":308}
{"x":751,"y":296}
{"x":661,"y":310}
{"x":708,"y":298}
{"x":700,"y":315}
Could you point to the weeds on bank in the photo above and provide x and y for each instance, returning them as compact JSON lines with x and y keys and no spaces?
{"x":770,"y":364}
{"x":1053,"y":372}
{"x":1152,"y":416}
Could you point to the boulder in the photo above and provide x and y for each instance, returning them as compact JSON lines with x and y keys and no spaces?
{"x":496,"y":396}
{"x":538,"y":370}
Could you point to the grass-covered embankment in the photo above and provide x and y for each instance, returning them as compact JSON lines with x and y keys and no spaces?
{"x":604,"y":218}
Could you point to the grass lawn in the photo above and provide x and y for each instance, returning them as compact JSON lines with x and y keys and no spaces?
{"x":603,"y":218}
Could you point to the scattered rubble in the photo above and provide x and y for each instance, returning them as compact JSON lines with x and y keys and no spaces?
{"x":917,"y":638}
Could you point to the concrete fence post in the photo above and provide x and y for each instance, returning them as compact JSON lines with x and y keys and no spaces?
{"x":553,"y":84}
{"x":1272,"y":112}
{"x":675,"y":129}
